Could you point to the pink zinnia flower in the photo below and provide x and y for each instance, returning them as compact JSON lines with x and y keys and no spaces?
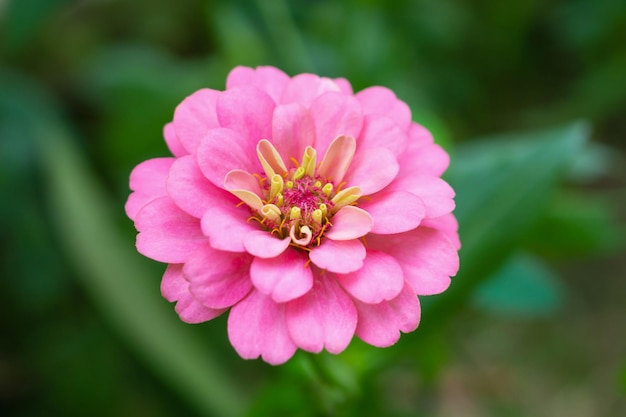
{"x":314,"y":214}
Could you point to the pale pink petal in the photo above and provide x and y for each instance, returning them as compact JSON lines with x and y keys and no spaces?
{"x":166,"y":233}
{"x":270,"y":159}
{"x":340,"y":256}
{"x":190,"y":189}
{"x":344,"y":85}
{"x":174,"y":145}
{"x":257,"y":327}
{"x":264,"y":245}
{"x":216,"y":278}
{"x":323,"y":318}
{"x":247,"y":110}
{"x":381,"y":100}
{"x":380,"y":324}
{"x":372,"y":170}
{"x":304,"y":88}
{"x":147,"y":180}
{"x":292,"y":131}
{"x":283,"y":277}
{"x":224,"y":150}
{"x":382,"y":132}
{"x":335,"y":114}
{"x":269,"y":79}
{"x":226,"y":224}
{"x":337,"y":159}
{"x":379,"y":279}
{"x":194,"y":117}
{"x":349,"y":223}
{"x":394,"y":212}
{"x":435,"y":193}
{"x":427,"y":257}
{"x":446,"y":224}
{"x":175,"y":288}
{"x":246,"y":187}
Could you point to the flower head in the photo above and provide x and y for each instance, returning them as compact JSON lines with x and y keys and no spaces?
{"x":314,"y":214}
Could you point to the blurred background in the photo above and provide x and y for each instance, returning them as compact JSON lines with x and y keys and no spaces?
{"x":528,"y":97}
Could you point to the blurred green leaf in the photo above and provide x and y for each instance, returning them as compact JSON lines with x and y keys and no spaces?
{"x":503,"y":184}
{"x":24,"y":19}
{"x":523,"y":287}
{"x":111,"y":271}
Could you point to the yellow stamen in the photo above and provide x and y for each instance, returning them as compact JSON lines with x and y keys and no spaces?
{"x":294,"y":214}
{"x":309,"y":160}
{"x":277,"y":186}
{"x":289,"y":184}
{"x":318,"y":216}
{"x":324,"y":208}
{"x":298,"y":174}
{"x":345,"y":197}
{"x":271,"y":212}
{"x":327,"y":189}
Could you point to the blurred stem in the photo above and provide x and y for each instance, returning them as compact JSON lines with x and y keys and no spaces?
{"x":286,"y":38}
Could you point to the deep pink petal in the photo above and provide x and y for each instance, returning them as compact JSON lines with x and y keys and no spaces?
{"x":341,"y":256}
{"x":247,"y":110}
{"x":323,"y":318}
{"x":194,"y":117}
{"x":284,"y":277}
{"x":174,"y":145}
{"x":372,"y":170}
{"x":349,"y":223}
{"x":379,"y":279}
{"x":427,"y":257}
{"x":446,"y":224}
{"x":264,"y":245}
{"x":216,"y":278}
{"x":257,"y":327}
{"x":381,"y":100}
{"x":147,"y":180}
{"x":435,"y":193}
{"x":292,"y":131}
{"x":304,"y":88}
{"x":335,"y":114}
{"x":226,"y":225}
{"x":224,"y":150}
{"x":380,"y":324}
{"x":166,"y":233}
{"x":269,"y":79}
{"x":190,"y":189}
{"x":175,"y":288}
{"x":394,"y":212}
{"x":382,"y":132}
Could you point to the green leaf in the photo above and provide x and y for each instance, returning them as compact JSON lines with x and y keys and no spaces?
{"x":523,"y":287}
{"x":503,"y":184}
{"x":108,"y":265}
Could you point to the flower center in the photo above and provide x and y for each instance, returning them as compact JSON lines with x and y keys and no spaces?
{"x":298,"y":202}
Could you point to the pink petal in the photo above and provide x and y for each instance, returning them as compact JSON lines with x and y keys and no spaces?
{"x":323,"y":318}
{"x":337,"y":159}
{"x":194,"y":117}
{"x":304,"y":88}
{"x":335,"y":114}
{"x":218,"y":279}
{"x":381,"y":100}
{"x":380,"y":324}
{"x":224,"y":150}
{"x":372,"y":170}
{"x":435,"y":193}
{"x":257,"y":327}
{"x":269,"y":79}
{"x":419,"y":135}
{"x":226,"y":225}
{"x":427,"y":257}
{"x":246,"y":187}
{"x":344,"y":85}
{"x":425,"y":159}
{"x":246,"y":110}
{"x":147,"y":180}
{"x":349,"y":223}
{"x":379,"y":279}
{"x":190,"y":189}
{"x":264,"y":245}
{"x":292,"y":130}
{"x":166,"y":233}
{"x":175,"y":288}
{"x":394,"y":212}
{"x":341,"y":256}
{"x":174,"y":145}
{"x":446,"y":224}
{"x":284,"y":277}
{"x":382,"y":132}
